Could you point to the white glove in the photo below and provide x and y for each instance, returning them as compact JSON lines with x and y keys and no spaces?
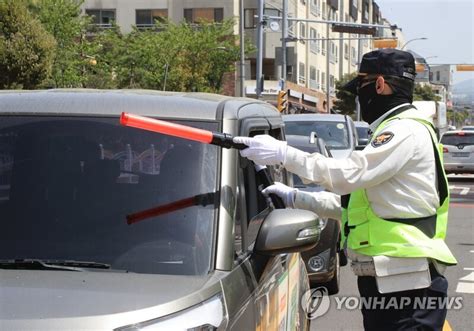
{"x":263,"y":149}
{"x":286,"y":193}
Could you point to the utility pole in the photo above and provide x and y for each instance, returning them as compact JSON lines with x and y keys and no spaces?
{"x":328,"y":93}
{"x":242,"y":50}
{"x":359,"y":58}
{"x":259,"y":78}
{"x":284,"y":37}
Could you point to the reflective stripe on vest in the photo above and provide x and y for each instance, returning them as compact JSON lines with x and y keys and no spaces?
{"x":368,"y":234}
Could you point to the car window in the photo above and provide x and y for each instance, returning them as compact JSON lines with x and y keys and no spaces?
{"x":335,"y":134}
{"x":256,"y":205}
{"x":455,"y":139}
{"x":86,"y":189}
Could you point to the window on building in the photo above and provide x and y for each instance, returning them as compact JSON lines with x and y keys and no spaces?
{"x":102,"y":18}
{"x":302,"y":73}
{"x":147,"y":17}
{"x":291,"y":27}
{"x":318,"y":74}
{"x":302,"y":32}
{"x":250,"y":21}
{"x":323,"y":47}
{"x":313,"y":46}
{"x":325,"y":14}
{"x":365,"y":11}
{"x":332,"y":51}
{"x":316,"y":7}
{"x":346,"y":51}
{"x":438,"y":75}
{"x":323,"y":81}
{"x":353,"y":55}
{"x":196,"y":15}
{"x":313,"y":84}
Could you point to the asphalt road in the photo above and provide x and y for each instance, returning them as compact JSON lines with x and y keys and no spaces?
{"x":460,"y":239}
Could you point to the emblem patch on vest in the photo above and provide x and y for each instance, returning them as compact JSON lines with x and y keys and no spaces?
{"x":382,"y":139}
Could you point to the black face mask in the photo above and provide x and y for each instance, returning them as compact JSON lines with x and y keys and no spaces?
{"x":373,"y":105}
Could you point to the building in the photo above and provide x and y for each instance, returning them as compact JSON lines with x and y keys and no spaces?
{"x":317,"y":56}
{"x":438,"y":77}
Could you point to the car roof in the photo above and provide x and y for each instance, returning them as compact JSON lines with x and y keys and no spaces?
{"x":89,"y":102}
{"x":457,"y":132}
{"x":314,"y":117}
{"x":361,"y":124}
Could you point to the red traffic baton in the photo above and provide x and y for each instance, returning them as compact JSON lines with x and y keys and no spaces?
{"x":180,"y":131}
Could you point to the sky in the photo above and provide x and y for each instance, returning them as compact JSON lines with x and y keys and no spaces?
{"x":448,"y":25}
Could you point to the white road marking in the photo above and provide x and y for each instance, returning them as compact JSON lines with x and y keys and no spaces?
{"x":468,"y":268}
{"x":465,"y":288}
{"x":469,"y":277}
{"x":464,"y":190}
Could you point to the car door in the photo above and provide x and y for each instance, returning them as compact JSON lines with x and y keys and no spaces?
{"x":277,"y":279}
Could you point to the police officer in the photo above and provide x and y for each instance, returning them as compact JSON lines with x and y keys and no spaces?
{"x":392,"y":198}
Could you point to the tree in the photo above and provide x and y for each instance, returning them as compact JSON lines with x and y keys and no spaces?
{"x":26,"y":48}
{"x":180,"y":57}
{"x":345,"y":103}
{"x":74,"y":63}
{"x":424,"y":93}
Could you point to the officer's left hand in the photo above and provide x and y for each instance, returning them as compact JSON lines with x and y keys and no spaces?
{"x":263,"y":149}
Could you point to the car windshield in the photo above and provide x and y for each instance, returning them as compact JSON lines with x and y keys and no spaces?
{"x":455,"y":139}
{"x":86,"y":189}
{"x":362,"y":132}
{"x":309,"y":148}
{"x":334,"y":134}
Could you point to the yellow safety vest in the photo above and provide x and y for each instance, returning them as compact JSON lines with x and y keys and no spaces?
{"x":368,"y":234}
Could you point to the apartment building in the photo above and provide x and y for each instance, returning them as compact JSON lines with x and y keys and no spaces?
{"x":317,"y":56}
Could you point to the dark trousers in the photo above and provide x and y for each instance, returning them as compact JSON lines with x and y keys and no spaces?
{"x":406,"y":317}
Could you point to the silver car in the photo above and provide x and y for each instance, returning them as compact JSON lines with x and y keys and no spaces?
{"x":458,"y":151}
{"x":106,"y":227}
{"x":337,"y":131}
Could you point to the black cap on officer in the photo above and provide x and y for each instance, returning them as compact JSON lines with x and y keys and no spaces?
{"x":385,"y":62}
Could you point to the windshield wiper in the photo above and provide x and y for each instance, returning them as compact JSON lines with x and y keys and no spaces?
{"x":37,"y":264}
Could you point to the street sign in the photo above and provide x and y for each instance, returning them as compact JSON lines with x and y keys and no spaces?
{"x":353,"y":29}
{"x":420,"y":67}
{"x":385,"y":43}
{"x":465,"y":67}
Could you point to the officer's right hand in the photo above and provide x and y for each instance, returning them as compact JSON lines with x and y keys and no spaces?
{"x":286,"y":193}
{"x":263,"y":149}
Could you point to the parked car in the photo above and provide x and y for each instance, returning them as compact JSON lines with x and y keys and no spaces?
{"x":458,"y":151}
{"x":338,"y":131}
{"x":468,"y":128}
{"x":363,"y":134}
{"x":114,"y":228}
{"x":323,"y":261}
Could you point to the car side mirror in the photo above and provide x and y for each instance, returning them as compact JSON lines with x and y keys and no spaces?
{"x":360,"y":147}
{"x":287,"y":231}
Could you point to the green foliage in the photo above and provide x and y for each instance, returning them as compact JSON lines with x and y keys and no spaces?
{"x":345,"y":103}
{"x":75,"y":52}
{"x":26,"y":48}
{"x":424,"y":93}
{"x":458,"y":116}
{"x":180,"y":57}
{"x":175,"y":57}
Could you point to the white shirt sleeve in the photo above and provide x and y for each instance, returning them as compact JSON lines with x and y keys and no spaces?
{"x":324,"y":204}
{"x":362,"y":169}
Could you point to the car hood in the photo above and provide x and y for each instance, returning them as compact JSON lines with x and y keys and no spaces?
{"x":64,"y":299}
{"x":341,"y":153}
